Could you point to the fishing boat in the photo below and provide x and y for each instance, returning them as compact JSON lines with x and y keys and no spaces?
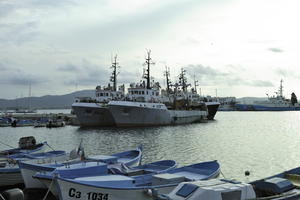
{"x":93,"y":111}
{"x":274,"y":103}
{"x":26,"y":145}
{"x":86,"y":169}
{"x":31,"y":167}
{"x":120,"y":187}
{"x":9,"y":169}
{"x":283,"y":186}
{"x":144,"y":106}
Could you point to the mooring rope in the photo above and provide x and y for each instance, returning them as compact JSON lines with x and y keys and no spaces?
{"x":48,"y":189}
{"x":50,"y":147}
{"x":6,"y":145}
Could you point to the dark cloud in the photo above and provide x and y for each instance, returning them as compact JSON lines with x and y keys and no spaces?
{"x":85,"y":73}
{"x":68,"y":68}
{"x":275,"y":50}
{"x":21,"y":78}
{"x":209,"y":76}
{"x":201,"y":70}
{"x":2,"y":67}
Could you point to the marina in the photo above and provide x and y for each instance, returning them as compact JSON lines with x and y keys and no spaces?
{"x":220,"y":139}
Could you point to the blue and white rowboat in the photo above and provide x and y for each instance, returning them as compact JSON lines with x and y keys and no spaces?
{"x":120,"y":187}
{"x":31,"y":167}
{"x":86,"y":169}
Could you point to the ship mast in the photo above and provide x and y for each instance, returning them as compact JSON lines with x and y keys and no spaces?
{"x":195,"y":84}
{"x":183,"y":80}
{"x":167,"y":74}
{"x":113,"y":78}
{"x":147,"y":73}
{"x":281,"y":89}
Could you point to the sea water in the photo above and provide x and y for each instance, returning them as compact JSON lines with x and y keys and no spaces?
{"x":264,"y":143}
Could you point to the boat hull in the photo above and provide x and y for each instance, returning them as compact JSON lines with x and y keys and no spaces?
{"x":212,"y":108}
{"x":127,"y":116}
{"x":92,"y":114}
{"x":69,"y":190}
{"x":256,"y":107}
{"x":133,"y":114}
{"x":10,"y":178}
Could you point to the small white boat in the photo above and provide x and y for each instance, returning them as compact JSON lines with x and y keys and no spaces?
{"x":31,"y":167}
{"x":10,"y":173}
{"x":120,"y":187}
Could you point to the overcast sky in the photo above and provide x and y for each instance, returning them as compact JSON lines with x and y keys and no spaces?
{"x":239,"y":47}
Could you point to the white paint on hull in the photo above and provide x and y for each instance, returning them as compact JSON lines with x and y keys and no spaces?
{"x":29,"y":181}
{"x":71,"y":191}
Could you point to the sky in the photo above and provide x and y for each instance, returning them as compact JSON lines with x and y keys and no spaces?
{"x":232,"y":47}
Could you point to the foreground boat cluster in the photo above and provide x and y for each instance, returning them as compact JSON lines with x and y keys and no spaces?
{"x":122,"y":176}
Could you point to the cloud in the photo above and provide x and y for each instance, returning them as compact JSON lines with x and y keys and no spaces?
{"x":259,"y":83}
{"x":287,"y":73}
{"x":18,"y":33}
{"x":201,"y":70}
{"x":275,"y":50}
{"x":68,"y":68}
{"x":22,"y":78}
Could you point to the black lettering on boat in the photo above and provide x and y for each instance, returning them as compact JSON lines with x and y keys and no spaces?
{"x":96,"y":196}
{"x":74,"y":193}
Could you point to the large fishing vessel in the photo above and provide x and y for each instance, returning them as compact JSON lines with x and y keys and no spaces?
{"x":94,"y":112}
{"x":144,"y":106}
{"x":273,"y":103}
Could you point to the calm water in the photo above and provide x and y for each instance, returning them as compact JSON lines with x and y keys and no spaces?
{"x":262,"y":142}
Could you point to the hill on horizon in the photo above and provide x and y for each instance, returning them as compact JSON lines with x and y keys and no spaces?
{"x":45,"y":102}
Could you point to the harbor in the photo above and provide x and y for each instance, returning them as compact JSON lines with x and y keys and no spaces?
{"x":275,"y":134}
{"x":149,"y":100}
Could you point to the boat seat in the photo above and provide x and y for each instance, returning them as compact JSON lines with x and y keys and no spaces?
{"x":294,"y":178}
{"x":125,"y":170}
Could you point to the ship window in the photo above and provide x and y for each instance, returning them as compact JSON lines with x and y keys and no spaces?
{"x":152,"y":93}
{"x":232,"y":195}
{"x":135,"y":92}
{"x":147,"y":92}
{"x":101,"y":94}
{"x":88,"y":111}
{"x":186,"y":190}
{"x":157,"y":93}
{"x":143,"y":92}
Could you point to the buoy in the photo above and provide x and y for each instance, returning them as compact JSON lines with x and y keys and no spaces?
{"x":247,"y":173}
{"x":13,"y":194}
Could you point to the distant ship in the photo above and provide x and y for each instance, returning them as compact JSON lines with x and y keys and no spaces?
{"x":273,"y":103}
{"x":227,"y":103}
